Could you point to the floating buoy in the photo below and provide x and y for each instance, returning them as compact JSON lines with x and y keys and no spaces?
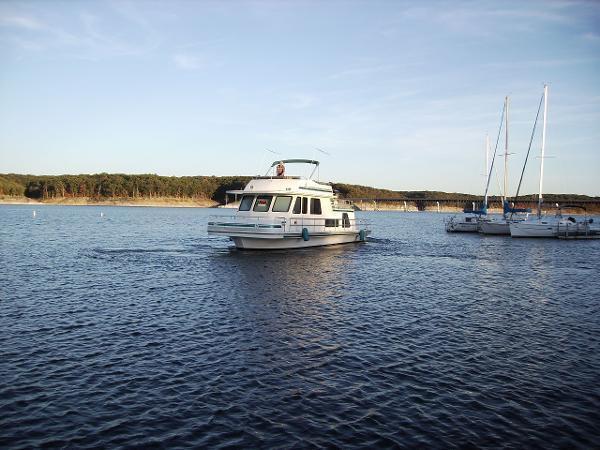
{"x":305,"y":234}
{"x":33,"y":214}
{"x":101,"y":214}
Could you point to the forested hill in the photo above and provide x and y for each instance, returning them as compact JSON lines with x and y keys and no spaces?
{"x":121,"y":186}
{"x":104,"y":185}
{"x":365,"y":192}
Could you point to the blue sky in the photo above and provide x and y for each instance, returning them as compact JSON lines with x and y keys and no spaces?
{"x":399,"y":94}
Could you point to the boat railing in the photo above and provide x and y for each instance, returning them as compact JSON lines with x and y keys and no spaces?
{"x":291,"y":224}
{"x":326,"y":224}
{"x":232,"y":220}
{"x":574,"y":228}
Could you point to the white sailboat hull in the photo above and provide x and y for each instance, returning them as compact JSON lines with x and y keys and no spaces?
{"x":462,"y":227}
{"x":495,"y":228}
{"x":534,"y":229}
{"x":469,"y":224}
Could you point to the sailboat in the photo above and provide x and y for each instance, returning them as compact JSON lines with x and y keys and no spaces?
{"x":538,"y":226}
{"x":501,"y":225}
{"x":546,"y":226}
{"x":473,"y":219}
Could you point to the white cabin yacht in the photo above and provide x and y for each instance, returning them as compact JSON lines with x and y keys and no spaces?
{"x":278,"y":211}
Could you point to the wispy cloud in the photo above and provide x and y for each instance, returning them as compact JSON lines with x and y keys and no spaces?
{"x":28,"y":23}
{"x":301,"y":101}
{"x":361,"y":71}
{"x":188,"y":62}
{"x":482,"y":19}
{"x":542,"y":63}
{"x":82,"y":35}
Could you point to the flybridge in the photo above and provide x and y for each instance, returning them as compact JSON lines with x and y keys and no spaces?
{"x":299,"y":161}
{"x":278,"y":167}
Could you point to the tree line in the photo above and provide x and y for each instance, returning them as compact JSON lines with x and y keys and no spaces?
{"x":104,"y":185}
{"x":366,"y":192}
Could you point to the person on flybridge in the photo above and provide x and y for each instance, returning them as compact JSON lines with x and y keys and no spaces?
{"x":280,"y":169}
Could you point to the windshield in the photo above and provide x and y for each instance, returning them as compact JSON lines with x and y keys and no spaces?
{"x":246,"y":203}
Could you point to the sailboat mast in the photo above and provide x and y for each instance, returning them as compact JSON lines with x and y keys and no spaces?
{"x":540,"y":198}
{"x":506,"y":151}
{"x":487,"y":165}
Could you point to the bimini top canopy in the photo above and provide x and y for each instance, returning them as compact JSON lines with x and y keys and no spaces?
{"x":298,"y":161}
{"x":280,"y":163}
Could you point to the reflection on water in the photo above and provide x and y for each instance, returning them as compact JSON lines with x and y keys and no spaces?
{"x":287,"y":299}
{"x":290,"y":276}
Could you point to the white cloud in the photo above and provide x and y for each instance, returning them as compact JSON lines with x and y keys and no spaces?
{"x":541,"y":63}
{"x":301,"y":101}
{"x":187,"y":61}
{"x":88,"y":36}
{"x":362,"y":71}
{"x":28,"y":23}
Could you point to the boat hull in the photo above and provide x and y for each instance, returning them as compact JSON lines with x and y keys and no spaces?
{"x":454,"y":225}
{"x":495,"y":228}
{"x":539,"y":230}
{"x":280,"y":234}
{"x":292,"y":242}
{"x":463,"y":228}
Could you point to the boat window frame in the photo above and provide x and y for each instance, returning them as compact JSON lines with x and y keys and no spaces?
{"x":252,"y":196}
{"x":265,"y":196}
{"x":297,"y":206}
{"x":288,"y":204}
{"x":314,"y":201}
{"x":345,"y":220}
{"x":304,"y":205}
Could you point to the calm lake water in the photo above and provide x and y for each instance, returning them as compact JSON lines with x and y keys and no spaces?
{"x":136,"y":329}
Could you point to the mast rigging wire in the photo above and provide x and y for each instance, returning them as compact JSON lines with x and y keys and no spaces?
{"x":528,"y":150}
{"x":495,"y":151}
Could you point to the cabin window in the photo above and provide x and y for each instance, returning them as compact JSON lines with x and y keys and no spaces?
{"x":282,"y":203}
{"x":315,"y":206}
{"x":262,"y":203}
{"x":345,"y":220}
{"x":298,"y":206}
{"x":332,"y":223}
{"x":246,"y":202}
{"x":304,"y":205}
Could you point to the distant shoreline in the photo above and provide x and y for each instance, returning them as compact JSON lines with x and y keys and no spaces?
{"x":160,"y":202}
{"x":172,"y":202}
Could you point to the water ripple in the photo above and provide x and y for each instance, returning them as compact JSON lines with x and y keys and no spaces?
{"x":143,"y":332}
